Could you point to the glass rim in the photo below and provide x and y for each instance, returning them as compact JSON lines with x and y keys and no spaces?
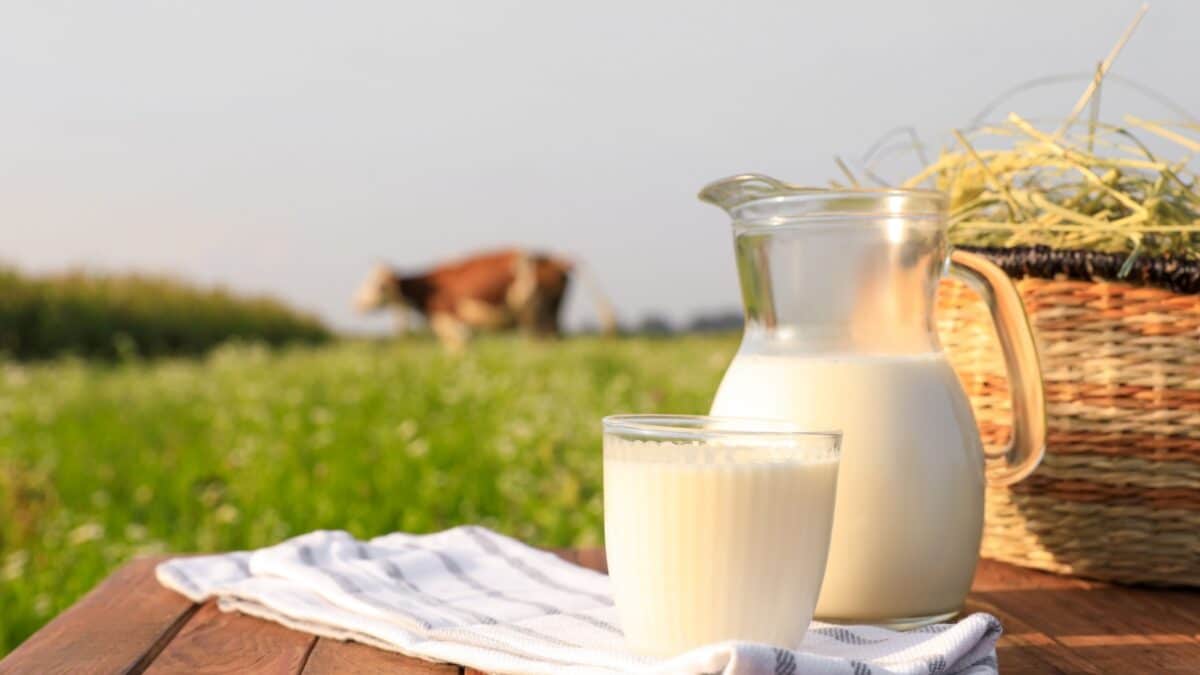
{"x":852,"y":191}
{"x":736,"y":193}
{"x":843,"y":208}
{"x":699,"y":427}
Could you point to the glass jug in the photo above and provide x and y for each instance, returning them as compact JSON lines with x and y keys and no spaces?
{"x":839,"y":289}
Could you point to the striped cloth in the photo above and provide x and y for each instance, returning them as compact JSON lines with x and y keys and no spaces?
{"x":473,"y":597}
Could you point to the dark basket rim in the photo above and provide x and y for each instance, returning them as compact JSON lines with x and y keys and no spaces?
{"x":1178,"y":275}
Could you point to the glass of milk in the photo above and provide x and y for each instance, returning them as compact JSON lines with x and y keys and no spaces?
{"x":716,"y":528}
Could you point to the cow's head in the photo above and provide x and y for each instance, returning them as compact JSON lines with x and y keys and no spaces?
{"x":380,"y":289}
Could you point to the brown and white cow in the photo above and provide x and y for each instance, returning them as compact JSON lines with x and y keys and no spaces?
{"x":500,"y":290}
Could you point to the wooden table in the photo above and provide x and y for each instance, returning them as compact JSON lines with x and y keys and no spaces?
{"x":130,"y":624}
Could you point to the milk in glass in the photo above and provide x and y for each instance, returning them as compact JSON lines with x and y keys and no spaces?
{"x":707,"y":543}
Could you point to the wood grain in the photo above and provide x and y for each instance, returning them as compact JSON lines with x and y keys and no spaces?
{"x":1052,"y":624}
{"x":593,"y":558}
{"x":118,"y":627}
{"x":1115,"y":630}
{"x":991,"y":575}
{"x":334,"y":656}
{"x":228,"y":642}
{"x":1023,"y":649}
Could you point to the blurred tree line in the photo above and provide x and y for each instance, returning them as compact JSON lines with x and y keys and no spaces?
{"x":119,"y":315}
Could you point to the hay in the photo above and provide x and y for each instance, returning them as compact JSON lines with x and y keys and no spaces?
{"x":1082,"y":185}
{"x":1100,"y":189}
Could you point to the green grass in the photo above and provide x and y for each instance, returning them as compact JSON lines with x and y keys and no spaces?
{"x":101,"y":462}
{"x":121,"y":315}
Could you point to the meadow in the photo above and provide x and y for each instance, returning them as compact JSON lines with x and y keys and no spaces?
{"x":103,"y":461}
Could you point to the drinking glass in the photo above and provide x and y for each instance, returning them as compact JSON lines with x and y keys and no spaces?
{"x":716,"y":528}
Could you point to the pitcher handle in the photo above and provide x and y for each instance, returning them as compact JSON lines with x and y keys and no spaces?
{"x":1028,"y":443}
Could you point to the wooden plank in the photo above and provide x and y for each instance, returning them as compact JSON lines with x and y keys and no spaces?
{"x":118,"y":627}
{"x":991,"y":575}
{"x":1115,"y":630}
{"x":1078,"y":625}
{"x":229,"y":642}
{"x":334,"y":656}
{"x":1180,"y":607}
{"x":593,"y":558}
{"x":569,"y":554}
{"x":1052,"y":624}
{"x":1024,"y":649}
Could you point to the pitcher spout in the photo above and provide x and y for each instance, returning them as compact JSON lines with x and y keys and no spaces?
{"x":730,"y":193}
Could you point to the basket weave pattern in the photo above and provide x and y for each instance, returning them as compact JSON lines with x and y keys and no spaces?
{"x":1117,"y":496}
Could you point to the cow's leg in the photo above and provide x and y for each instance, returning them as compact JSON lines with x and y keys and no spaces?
{"x":452,"y":333}
{"x":547,"y":320}
{"x":524,"y":295}
{"x":401,"y":319}
{"x":527,"y":314}
{"x":553,"y":291}
{"x":524,"y":284}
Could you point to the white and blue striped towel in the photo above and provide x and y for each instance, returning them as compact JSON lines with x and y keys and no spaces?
{"x":473,"y":597}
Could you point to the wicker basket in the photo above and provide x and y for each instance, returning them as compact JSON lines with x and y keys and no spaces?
{"x":1117,"y":496}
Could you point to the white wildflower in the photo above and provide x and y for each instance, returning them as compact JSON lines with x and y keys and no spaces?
{"x":226,"y":513}
{"x":135,"y":532}
{"x":85,"y":533}
{"x":418,"y":448}
{"x":142,"y":494}
{"x":14,"y":564}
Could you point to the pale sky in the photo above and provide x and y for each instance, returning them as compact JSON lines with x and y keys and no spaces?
{"x":282,"y":147}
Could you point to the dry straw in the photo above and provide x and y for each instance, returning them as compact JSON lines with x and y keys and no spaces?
{"x":1100,"y":189}
{"x":1082,"y":185}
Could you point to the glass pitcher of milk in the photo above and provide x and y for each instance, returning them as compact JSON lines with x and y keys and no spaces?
{"x":839,"y":287}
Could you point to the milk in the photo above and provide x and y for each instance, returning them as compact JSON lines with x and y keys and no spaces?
{"x":909,"y":510}
{"x":708,"y":543}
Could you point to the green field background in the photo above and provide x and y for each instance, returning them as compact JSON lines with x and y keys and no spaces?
{"x":100,"y":462}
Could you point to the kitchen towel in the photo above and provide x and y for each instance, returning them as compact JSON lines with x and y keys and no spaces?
{"x":474,"y":597}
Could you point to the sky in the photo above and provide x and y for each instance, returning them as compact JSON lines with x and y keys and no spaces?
{"x":284,"y":147}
